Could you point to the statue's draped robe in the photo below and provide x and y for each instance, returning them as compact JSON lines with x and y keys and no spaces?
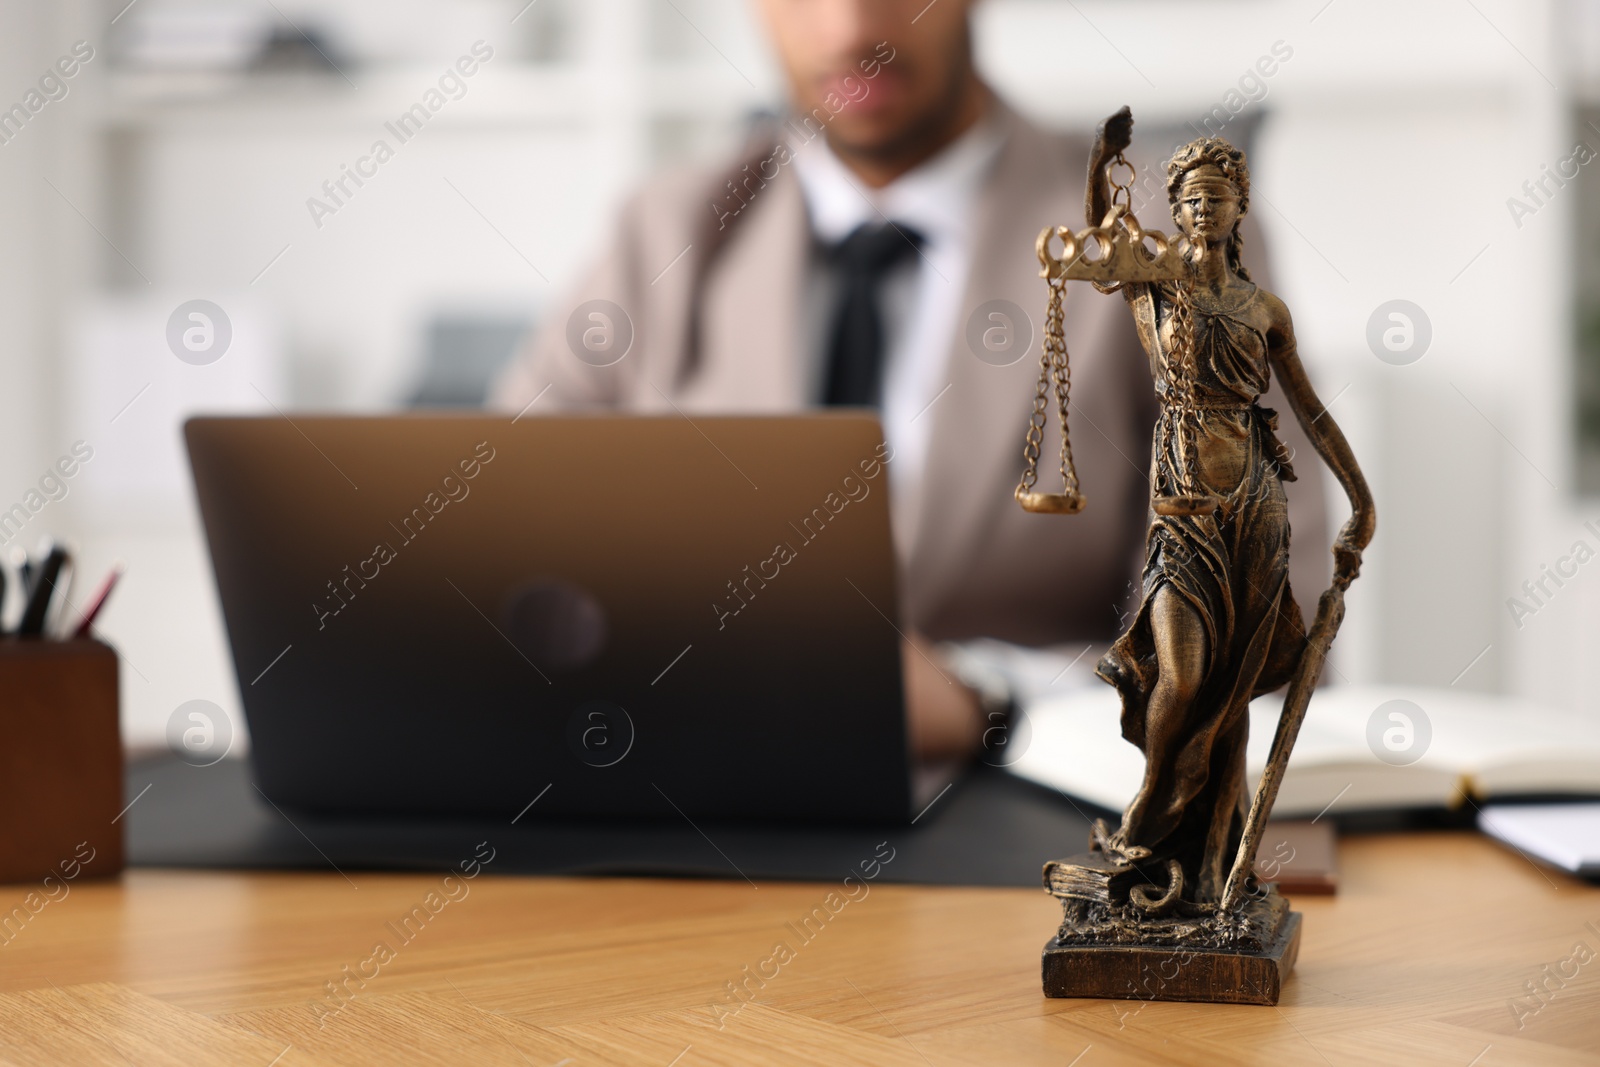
{"x":1232,"y":567}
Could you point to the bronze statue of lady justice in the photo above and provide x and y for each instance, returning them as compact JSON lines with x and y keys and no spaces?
{"x":1165,"y":906}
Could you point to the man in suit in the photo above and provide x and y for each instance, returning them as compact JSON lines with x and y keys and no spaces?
{"x":875,"y":249}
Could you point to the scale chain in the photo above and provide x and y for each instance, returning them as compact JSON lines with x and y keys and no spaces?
{"x":1055,"y":366}
{"x":1055,"y":333}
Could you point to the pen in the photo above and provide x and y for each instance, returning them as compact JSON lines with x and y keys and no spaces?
{"x":44,"y":587}
{"x":19,"y":559}
{"x":98,"y":601}
{"x":55,"y":612}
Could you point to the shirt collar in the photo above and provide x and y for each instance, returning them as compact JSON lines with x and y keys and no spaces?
{"x":935,"y":198}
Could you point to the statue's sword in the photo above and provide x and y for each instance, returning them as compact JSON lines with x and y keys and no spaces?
{"x":1330,"y":613}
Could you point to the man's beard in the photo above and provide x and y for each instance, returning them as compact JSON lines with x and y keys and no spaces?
{"x":927,"y":130}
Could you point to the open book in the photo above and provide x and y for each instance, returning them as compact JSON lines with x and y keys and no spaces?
{"x":1361,"y":749}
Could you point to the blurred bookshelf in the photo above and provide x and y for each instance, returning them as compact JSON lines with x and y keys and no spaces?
{"x":213,"y":114}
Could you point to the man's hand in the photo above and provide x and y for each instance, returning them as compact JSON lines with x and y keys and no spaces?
{"x":943,"y":716}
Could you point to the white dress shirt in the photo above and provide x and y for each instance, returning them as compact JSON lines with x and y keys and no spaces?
{"x":920,"y":305}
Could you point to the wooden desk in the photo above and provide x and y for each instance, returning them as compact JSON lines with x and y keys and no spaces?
{"x":1417,"y":960}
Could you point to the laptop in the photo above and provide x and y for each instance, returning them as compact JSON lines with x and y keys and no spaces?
{"x":608,"y":616}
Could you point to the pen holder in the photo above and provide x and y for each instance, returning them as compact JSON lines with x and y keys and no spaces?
{"x":60,"y":760}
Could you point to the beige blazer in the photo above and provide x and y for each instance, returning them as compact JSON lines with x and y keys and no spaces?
{"x":718,"y":331}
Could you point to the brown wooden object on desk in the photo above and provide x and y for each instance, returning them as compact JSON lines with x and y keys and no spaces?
{"x":1424,"y":958}
{"x":60,"y":761}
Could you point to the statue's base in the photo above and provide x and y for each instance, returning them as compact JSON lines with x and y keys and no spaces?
{"x":1204,"y":973}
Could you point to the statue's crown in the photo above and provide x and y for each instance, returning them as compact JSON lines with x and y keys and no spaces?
{"x":1118,"y":252}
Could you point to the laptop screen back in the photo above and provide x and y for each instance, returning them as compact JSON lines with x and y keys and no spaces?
{"x":629,"y":616}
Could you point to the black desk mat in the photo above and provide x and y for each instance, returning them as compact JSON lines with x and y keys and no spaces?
{"x":989,"y":829}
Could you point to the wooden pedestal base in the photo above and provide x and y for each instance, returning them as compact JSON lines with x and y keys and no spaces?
{"x":1172,"y":972}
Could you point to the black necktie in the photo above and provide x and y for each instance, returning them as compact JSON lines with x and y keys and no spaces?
{"x":855,"y":346}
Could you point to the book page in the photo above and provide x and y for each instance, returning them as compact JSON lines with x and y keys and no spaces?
{"x":1353,"y":752}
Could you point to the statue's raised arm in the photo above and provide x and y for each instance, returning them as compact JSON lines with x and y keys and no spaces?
{"x":1111,"y":137}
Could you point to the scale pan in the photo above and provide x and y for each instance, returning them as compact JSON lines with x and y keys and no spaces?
{"x":1051,"y":503}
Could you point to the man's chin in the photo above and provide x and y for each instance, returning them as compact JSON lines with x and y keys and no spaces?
{"x":871,"y":139}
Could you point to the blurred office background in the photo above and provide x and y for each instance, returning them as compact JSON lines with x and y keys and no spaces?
{"x":179,"y":162}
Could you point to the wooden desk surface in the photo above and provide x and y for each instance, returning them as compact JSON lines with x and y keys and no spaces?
{"x":1420,"y":959}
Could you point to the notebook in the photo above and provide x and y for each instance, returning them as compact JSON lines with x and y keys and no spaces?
{"x":1563,"y":835}
{"x":1361,"y":749}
